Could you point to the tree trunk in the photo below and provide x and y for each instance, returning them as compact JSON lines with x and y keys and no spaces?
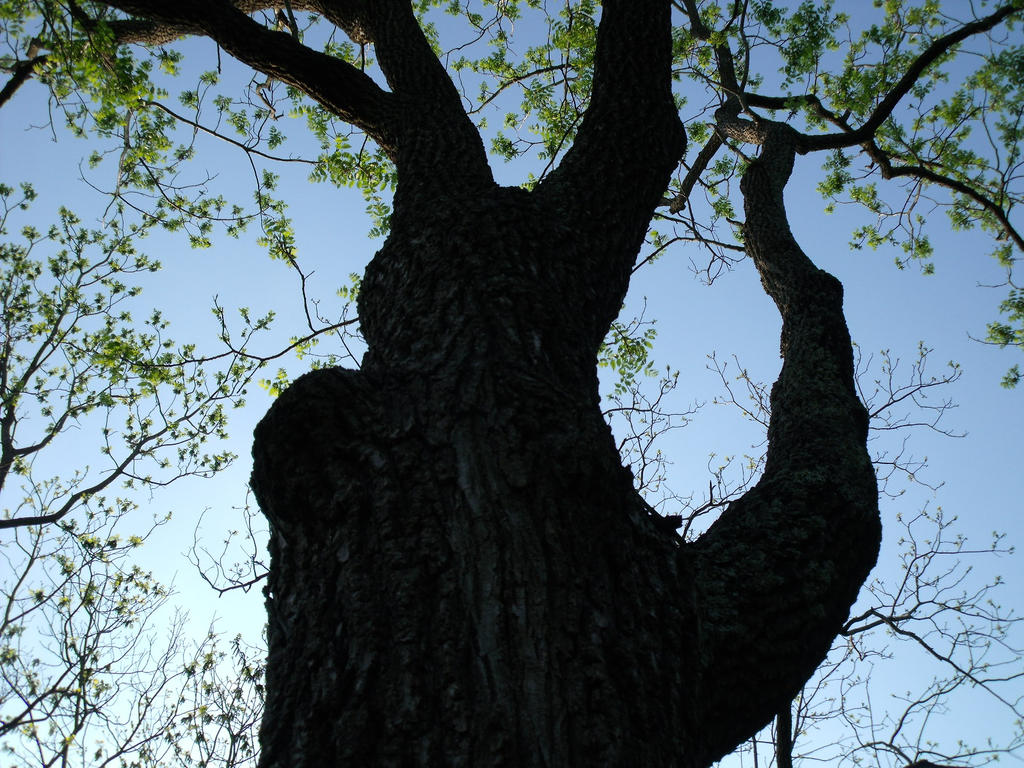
{"x":462,"y":573}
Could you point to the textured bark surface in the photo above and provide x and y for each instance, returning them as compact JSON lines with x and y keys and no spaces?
{"x":461,"y":571}
{"x":476,"y":550}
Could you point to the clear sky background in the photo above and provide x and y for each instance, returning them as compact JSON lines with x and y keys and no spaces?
{"x":980,"y":474}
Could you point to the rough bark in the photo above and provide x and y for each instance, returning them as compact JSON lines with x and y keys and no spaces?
{"x":474,"y":542}
{"x":462,"y":573}
{"x":779,"y":570}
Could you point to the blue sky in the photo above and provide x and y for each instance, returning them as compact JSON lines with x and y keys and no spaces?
{"x":980,"y":473}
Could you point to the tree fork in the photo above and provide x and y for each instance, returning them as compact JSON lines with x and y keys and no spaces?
{"x":491,"y":589}
{"x":462,"y":572}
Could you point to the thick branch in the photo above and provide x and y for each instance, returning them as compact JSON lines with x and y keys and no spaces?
{"x":155,"y":32}
{"x":784,"y":738}
{"x":723,"y":54}
{"x":336,"y":84}
{"x":438,"y":143}
{"x":777,"y":573}
{"x":22,"y":71}
{"x":884,"y":160}
{"x":405,"y":56}
{"x":631,"y":127}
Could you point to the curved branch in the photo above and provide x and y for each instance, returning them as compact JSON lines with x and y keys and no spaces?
{"x":723,"y":54}
{"x":848,"y":136}
{"x":334,"y":83}
{"x":885,"y":107}
{"x":22,"y":71}
{"x":751,"y":132}
{"x":506,"y":84}
{"x":808,"y":532}
{"x":120,"y":470}
{"x":216,"y":134}
{"x":889,"y":171}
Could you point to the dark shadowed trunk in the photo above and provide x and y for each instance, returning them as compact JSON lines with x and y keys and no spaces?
{"x":462,"y":573}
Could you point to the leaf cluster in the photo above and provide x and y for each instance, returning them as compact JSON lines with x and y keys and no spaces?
{"x":75,"y":359}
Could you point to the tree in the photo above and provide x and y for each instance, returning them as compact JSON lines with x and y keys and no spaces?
{"x":86,"y":671}
{"x":94,"y":672}
{"x":462,"y":571}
